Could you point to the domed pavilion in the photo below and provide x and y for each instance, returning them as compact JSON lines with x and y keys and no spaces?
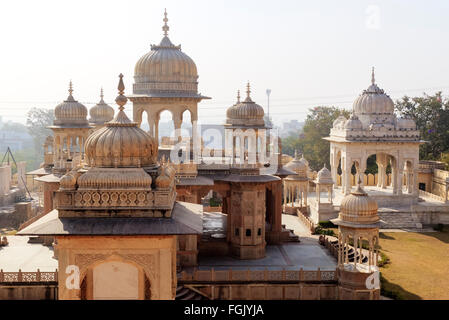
{"x":374,"y":129}
{"x":358,"y":242}
{"x":246,"y":133}
{"x":296,"y":186}
{"x":165,"y":78}
{"x":70,"y":130}
{"x":117,"y":220}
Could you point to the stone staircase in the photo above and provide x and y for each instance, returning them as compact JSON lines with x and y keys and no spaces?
{"x":289,"y":235}
{"x":399,"y":220}
{"x":183,"y":293}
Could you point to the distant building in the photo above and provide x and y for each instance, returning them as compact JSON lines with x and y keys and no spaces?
{"x":291,"y":127}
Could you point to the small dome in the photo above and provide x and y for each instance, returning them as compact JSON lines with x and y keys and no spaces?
{"x":163,"y":182}
{"x":339,"y":122}
{"x":70,"y":112}
{"x":101,"y":112}
{"x":373,"y":101}
{"x":246,"y":112}
{"x":68,"y":181}
{"x":359,"y":208}
{"x":299,"y":166}
{"x":121,"y":143}
{"x":353,"y":123}
{"x":324,"y":176}
{"x":165,"y":69}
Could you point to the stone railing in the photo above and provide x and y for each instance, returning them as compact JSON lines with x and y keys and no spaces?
{"x":331,"y":247}
{"x":306,"y":221}
{"x":268,"y":276}
{"x":28,"y":277}
{"x":426,"y":194}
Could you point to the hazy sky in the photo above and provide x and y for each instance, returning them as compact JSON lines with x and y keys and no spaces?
{"x":308,"y":52}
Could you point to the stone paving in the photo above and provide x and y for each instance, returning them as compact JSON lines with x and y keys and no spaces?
{"x":307,"y":254}
{"x":19,"y":254}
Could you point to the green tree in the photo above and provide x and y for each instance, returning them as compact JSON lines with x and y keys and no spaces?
{"x":431,"y":114}
{"x":310,"y":142}
{"x":37,"y":121}
{"x":290,"y":144}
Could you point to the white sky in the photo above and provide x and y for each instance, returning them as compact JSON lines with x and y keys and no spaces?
{"x":308,"y":52}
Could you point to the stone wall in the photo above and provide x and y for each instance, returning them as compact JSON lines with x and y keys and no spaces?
{"x":439,"y":182}
{"x":29,"y":292}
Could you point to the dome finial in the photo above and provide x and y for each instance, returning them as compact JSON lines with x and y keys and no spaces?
{"x":165,"y":28}
{"x":121,"y":99}
{"x":70,"y":97}
{"x":248,"y":90}
{"x":296,"y":154}
{"x":101,"y":94}
{"x":373,"y":80}
{"x":238,"y":96}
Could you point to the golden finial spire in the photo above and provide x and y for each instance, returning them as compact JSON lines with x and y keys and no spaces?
{"x":121,"y":99}
{"x":165,"y":28}
{"x":238,"y":96}
{"x":296,"y":154}
{"x":101,"y":95}
{"x":248,"y":90}
{"x":373,"y":80}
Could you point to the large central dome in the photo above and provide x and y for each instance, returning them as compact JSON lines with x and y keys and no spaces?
{"x":165,"y":69}
{"x":373,"y":101}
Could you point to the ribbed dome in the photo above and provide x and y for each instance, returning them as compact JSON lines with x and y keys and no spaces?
{"x":101,"y":112}
{"x":324,"y":176}
{"x":359,"y":208}
{"x":298,"y":165}
{"x":68,"y":181}
{"x":166,"y":179}
{"x":111,"y":178}
{"x":165,"y":69}
{"x":70,"y":112}
{"x":353,"y":123}
{"x":121,"y":143}
{"x":373,"y":101}
{"x":246,"y":112}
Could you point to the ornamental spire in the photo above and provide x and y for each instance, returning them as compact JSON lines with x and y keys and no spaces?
{"x":238,"y":96}
{"x":248,"y":93}
{"x":70,"y":97}
{"x":70,"y":87}
{"x":101,"y":95}
{"x":121,"y":99}
{"x":373,"y":80}
{"x":165,"y":28}
{"x":296,"y":154}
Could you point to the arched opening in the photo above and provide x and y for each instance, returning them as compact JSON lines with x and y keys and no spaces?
{"x":117,"y":280}
{"x":145,"y":125}
{"x":166,"y":128}
{"x":186,"y":126}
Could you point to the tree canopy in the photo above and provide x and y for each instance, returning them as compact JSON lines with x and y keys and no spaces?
{"x":37,"y":122}
{"x":431,"y":114}
{"x":310,"y":142}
